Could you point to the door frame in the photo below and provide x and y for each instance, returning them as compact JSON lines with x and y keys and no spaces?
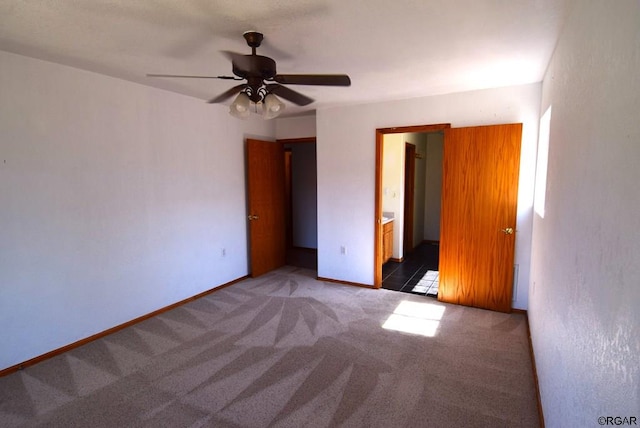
{"x":380,"y":133}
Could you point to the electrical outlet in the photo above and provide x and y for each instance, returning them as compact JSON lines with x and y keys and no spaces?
{"x":223,"y":253}
{"x":343,"y":250}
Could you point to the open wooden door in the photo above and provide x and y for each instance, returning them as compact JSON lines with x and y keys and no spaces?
{"x":266,"y":175}
{"x":479,"y":202}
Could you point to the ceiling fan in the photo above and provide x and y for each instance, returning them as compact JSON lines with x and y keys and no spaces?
{"x":259,"y":71}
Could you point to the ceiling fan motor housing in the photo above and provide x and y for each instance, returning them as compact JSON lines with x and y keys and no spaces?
{"x":256,"y":66}
{"x":255,"y":69}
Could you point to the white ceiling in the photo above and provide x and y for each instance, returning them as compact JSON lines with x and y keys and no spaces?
{"x":391,"y":49}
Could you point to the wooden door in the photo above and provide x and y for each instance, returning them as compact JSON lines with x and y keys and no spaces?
{"x":266,"y":175}
{"x":479,"y":201}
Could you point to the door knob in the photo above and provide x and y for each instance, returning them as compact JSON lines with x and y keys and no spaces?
{"x":253,"y":217}
{"x":507,"y":231}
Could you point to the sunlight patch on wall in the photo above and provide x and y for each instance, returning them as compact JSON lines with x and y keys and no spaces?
{"x":543,"y":162}
{"x":415,"y":318}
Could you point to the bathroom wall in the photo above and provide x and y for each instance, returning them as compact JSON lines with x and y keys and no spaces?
{"x":393,"y":186}
{"x":418,"y":139}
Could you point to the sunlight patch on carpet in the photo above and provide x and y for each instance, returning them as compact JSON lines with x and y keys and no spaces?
{"x":415,"y":318}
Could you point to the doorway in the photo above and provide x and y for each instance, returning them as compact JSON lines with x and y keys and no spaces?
{"x":301,"y":216}
{"x":378,"y":250}
{"x":282,"y":204}
{"x":478,"y":213}
{"x":411,"y":184}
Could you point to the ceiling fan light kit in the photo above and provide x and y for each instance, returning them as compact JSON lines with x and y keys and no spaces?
{"x":240,"y":107}
{"x":272,"y":107}
{"x":257,"y":70}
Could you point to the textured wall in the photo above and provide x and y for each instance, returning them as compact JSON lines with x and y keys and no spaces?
{"x":115,"y":200}
{"x":585,"y":275}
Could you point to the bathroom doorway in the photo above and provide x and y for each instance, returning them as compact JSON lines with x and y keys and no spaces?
{"x":411,"y":170}
{"x":403,"y":156}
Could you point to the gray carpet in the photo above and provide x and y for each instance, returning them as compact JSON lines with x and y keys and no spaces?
{"x":286,"y":350}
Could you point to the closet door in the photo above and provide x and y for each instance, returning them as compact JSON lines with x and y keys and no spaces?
{"x":478,"y":221}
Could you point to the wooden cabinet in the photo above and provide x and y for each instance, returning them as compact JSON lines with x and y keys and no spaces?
{"x":387,"y":241}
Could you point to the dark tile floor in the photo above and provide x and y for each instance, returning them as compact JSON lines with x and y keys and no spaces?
{"x":416,"y":274}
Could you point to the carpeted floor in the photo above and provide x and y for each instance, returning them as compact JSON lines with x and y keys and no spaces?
{"x":286,"y":350}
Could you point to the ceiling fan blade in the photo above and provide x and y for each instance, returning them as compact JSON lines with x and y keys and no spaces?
{"x":238,"y":59}
{"x":313,"y":79}
{"x":194,"y":77}
{"x":227,"y":94}
{"x":289,"y":94}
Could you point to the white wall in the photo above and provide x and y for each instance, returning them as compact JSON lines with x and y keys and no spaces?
{"x":296,"y":127}
{"x":419,"y":139}
{"x":393,"y":154}
{"x":585,"y":278}
{"x":115,"y":200}
{"x":346,"y":170}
